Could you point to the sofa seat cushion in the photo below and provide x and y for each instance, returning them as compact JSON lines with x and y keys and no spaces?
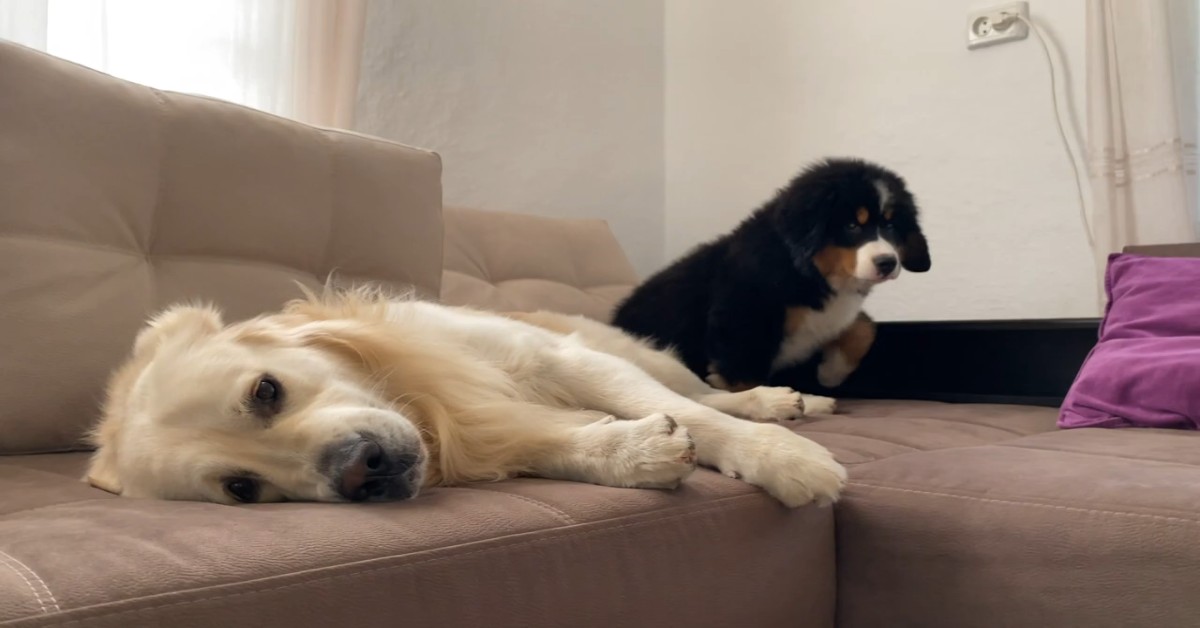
{"x":518,"y":553}
{"x":864,"y":431}
{"x":1087,"y":527}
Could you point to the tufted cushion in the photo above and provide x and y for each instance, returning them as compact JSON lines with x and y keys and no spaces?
{"x":118,"y":199}
{"x":516,"y":262}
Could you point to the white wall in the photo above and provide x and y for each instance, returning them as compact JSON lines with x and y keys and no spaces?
{"x":542,"y":106}
{"x":756,"y":89}
{"x":673,"y":127}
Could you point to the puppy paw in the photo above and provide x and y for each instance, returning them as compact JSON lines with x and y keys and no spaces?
{"x":834,"y":370}
{"x":793,"y":469}
{"x":716,"y":381}
{"x":816,"y":404}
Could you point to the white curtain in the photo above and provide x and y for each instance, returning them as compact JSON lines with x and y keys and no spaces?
{"x":294,"y":58}
{"x":1142,"y":114}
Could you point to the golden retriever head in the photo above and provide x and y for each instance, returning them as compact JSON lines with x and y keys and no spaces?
{"x":275,"y":408}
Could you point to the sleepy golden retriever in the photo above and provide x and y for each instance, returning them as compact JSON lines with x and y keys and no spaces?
{"x":356,"y":396}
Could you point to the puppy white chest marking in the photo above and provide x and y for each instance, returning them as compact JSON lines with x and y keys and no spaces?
{"x":809,"y":330}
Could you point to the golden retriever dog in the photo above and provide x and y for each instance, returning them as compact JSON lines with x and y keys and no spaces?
{"x":358,"y":396}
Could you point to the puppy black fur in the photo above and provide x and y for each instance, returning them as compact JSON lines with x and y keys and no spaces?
{"x":724,"y":305}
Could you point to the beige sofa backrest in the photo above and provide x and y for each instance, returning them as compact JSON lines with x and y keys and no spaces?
{"x":517,"y":262}
{"x":116,"y":199}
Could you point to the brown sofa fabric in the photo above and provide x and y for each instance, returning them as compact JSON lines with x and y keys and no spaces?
{"x":715,"y":553}
{"x":864,"y":431}
{"x":116,"y":199}
{"x":1090,"y":527}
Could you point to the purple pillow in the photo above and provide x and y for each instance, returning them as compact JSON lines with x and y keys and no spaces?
{"x":1145,"y":369}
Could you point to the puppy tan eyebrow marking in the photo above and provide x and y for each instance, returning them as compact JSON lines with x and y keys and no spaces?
{"x":888,"y":213}
{"x":862,"y":215}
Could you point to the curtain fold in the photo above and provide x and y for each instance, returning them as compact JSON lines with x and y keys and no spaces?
{"x":1141,"y":86}
{"x":330,"y":36}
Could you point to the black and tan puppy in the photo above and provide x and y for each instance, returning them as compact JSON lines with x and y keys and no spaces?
{"x":789,"y":281}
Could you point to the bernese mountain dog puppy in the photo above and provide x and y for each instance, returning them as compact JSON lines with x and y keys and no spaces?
{"x":788,"y":282}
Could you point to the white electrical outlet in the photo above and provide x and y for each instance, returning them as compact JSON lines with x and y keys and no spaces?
{"x":987,"y":27}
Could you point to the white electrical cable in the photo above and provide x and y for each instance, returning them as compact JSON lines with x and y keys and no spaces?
{"x":1083,"y":215}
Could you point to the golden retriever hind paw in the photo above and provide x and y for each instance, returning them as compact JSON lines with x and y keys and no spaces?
{"x":651,"y":452}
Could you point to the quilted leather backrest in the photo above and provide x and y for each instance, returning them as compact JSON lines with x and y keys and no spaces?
{"x":117,"y":199}
{"x":516,"y":262}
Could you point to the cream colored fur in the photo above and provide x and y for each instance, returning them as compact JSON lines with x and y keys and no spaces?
{"x":483,"y":396}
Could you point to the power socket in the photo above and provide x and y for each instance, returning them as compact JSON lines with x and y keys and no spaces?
{"x":986,"y":27}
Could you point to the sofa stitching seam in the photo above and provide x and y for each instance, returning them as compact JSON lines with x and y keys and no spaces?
{"x":37,"y":597}
{"x":558,"y":514}
{"x":89,"y":500}
{"x":21,"y":569}
{"x":560,"y":282}
{"x":723,"y":505}
{"x":912,"y":448}
{"x":152,"y":258}
{"x":326,"y":261}
{"x":156,"y":210}
{"x":1092,"y":454}
{"x":1013,"y":502}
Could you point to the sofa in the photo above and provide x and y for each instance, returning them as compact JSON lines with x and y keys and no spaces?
{"x":116,"y":199}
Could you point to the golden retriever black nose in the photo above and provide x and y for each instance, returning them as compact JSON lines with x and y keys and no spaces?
{"x":363,"y":470}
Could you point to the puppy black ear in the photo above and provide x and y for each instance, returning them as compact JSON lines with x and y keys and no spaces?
{"x":804,"y":236}
{"x":914,"y":253}
{"x":798,"y":218}
{"x":803,"y":249}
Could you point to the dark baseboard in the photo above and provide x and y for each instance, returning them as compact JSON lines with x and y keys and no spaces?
{"x":1030,"y":362}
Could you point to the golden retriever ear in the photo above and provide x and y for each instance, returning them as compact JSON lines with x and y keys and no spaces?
{"x":357,"y":343}
{"x":186,"y":322}
{"x":102,"y":471}
{"x":178,"y":321}
{"x":102,"y":468}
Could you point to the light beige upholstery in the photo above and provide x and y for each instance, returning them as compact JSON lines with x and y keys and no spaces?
{"x":515,"y":262}
{"x":116,"y":199}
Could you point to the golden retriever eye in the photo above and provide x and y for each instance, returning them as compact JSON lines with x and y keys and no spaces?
{"x":245,"y":490}
{"x":267,"y":390}
{"x":266,"y":398}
